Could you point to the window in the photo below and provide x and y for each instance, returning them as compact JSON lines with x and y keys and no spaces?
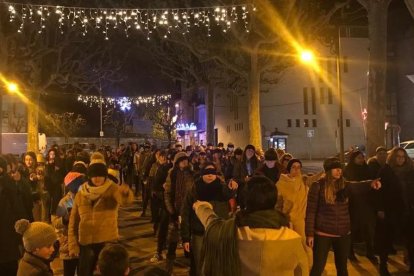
{"x":306,"y":123}
{"x":314,"y":123}
{"x":330,"y":96}
{"x":313,"y":94}
{"x":236,"y":127}
{"x":289,"y":123}
{"x":348,"y":122}
{"x":322,"y":95}
{"x":305,"y":101}
{"x":228,"y":129}
{"x":297,"y":123}
{"x":345,"y":64}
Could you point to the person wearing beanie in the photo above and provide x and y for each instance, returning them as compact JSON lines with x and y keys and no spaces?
{"x":256,"y":241}
{"x":327,"y":217}
{"x":73,"y":181}
{"x":11,"y":209}
{"x":38,"y":242}
{"x":362,"y":204}
{"x":270,"y":167}
{"x":208,"y":187}
{"x":94,"y":217}
{"x":180,"y":180}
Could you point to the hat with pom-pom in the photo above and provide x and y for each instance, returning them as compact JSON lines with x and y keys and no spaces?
{"x":35,"y":234}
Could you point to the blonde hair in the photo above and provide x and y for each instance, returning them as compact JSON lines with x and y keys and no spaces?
{"x":332,"y":186}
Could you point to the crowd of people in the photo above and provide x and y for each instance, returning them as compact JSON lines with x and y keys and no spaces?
{"x":233,"y":211}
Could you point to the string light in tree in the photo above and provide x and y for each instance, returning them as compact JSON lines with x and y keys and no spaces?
{"x":125,"y":103}
{"x":147,"y":21}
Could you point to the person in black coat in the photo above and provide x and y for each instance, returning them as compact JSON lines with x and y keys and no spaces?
{"x":11,"y":210}
{"x":208,"y":187}
{"x":362,"y":208}
{"x":391,"y":203}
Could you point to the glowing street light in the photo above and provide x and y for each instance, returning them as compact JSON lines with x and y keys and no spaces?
{"x":12,"y":87}
{"x":307,"y":56}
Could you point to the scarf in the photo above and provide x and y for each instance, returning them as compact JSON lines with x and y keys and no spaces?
{"x":222,"y":258}
{"x":92,"y":192}
{"x":208,"y":192}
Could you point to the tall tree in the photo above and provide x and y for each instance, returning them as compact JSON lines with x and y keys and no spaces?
{"x":377,"y":26}
{"x":265,"y":48}
{"x":46,"y":60}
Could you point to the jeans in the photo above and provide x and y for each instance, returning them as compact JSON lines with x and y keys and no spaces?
{"x":70,"y":267}
{"x":321,"y":247}
{"x":88,"y":258}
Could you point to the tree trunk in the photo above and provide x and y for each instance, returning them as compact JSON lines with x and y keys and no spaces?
{"x":33,"y":123}
{"x":255,"y":132}
{"x":377,"y":17}
{"x":210,"y":113}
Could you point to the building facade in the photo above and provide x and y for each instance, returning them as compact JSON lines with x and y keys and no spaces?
{"x":304,"y":105}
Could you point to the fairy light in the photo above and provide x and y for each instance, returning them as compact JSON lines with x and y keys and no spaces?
{"x":105,"y":20}
{"x":125,"y":103}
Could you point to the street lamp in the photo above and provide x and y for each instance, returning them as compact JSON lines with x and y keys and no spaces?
{"x":12,"y":87}
{"x":307,"y":57}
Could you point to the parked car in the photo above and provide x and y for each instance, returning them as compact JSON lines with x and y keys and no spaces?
{"x":409,"y":148}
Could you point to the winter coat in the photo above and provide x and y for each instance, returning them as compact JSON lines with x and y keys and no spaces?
{"x":328,"y":218}
{"x":11,"y":210}
{"x":54,"y":184}
{"x":390,"y":195}
{"x":190,"y":224}
{"x":31,"y":265}
{"x":176,"y":186}
{"x":25,"y":196}
{"x":61,"y":221}
{"x":362,"y":199}
{"x":271,"y":173}
{"x":96,"y":221}
{"x":292,"y":201}
{"x":160,"y":178}
{"x":264,"y":251}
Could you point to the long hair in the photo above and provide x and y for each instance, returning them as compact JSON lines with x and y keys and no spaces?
{"x":332,"y":186}
{"x":392,"y":158}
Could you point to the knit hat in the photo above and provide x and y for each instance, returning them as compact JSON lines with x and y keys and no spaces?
{"x":97,"y":167}
{"x":180,"y":156}
{"x":270,"y":155}
{"x":290,"y":164}
{"x":35,"y":234}
{"x":332,"y":163}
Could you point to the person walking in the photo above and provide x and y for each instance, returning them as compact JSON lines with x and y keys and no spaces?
{"x":257,"y":241}
{"x":94,"y":217}
{"x":327,"y":217}
{"x":208,"y":187}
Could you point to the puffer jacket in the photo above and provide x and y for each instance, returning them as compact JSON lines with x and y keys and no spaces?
{"x":96,"y":221}
{"x":177,"y":184}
